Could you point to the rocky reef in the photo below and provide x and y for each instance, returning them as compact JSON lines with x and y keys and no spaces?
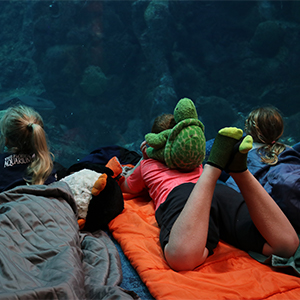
{"x":111,"y":66}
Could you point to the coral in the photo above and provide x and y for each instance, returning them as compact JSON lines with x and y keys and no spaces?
{"x":94,"y":81}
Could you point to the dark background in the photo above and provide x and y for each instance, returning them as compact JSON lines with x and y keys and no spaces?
{"x":111,"y":66}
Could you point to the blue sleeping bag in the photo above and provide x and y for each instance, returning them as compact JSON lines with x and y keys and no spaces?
{"x":281,"y":181}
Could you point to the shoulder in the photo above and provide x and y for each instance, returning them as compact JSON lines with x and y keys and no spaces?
{"x":4,"y":154}
{"x":11,"y":160}
{"x":289,"y":155}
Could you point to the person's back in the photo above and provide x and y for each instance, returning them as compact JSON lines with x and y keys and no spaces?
{"x":25,"y":155}
{"x":275,"y":165}
{"x":159,"y":180}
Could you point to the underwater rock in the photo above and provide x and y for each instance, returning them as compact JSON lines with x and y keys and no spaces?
{"x":94,"y":81}
{"x":2,"y":112}
{"x":161,"y":99}
{"x":267,"y":38}
{"x":296,"y":10}
{"x":61,"y":68}
{"x":216,"y":113}
{"x":266,"y":9}
{"x":151,"y":31}
{"x":292,"y":129}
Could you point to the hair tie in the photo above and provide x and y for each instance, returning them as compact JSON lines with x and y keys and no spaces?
{"x":273,"y":142}
{"x":29,"y":126}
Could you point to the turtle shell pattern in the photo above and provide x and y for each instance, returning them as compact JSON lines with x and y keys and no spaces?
{"x":185,"y":148}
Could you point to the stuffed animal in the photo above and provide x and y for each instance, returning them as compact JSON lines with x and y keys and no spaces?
{"x":183,"y":146}
{"x":97,"y":193}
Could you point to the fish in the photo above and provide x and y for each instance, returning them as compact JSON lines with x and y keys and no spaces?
{"x":32,"y":101}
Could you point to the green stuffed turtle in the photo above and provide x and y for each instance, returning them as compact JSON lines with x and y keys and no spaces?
{"x":183,"y":146}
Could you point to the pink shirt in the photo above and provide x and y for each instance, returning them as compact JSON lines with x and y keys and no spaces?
{"x":159,"y":180}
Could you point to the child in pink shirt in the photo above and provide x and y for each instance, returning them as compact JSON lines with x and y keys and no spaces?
{"x":159,"y":180}
{"x":193,"y":216}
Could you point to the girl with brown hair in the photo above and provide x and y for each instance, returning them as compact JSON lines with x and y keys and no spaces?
{"x":265,"y":125}
{"x":275,"y":165}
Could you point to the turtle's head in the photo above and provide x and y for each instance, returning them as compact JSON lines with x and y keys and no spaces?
{"x":185,"y":109}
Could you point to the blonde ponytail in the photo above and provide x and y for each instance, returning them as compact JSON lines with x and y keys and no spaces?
{"x":22,"y":129}
{"x":42,"y":165}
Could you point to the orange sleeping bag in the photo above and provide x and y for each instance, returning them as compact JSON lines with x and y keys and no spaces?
{"x":228,"y":274}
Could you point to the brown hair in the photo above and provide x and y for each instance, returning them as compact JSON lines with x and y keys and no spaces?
{"x":22,"y":132}
{"x":163,"y":122}
{"x":265,"y":125}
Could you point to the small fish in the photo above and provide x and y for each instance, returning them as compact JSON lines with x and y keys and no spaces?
{"x":33,"y":101}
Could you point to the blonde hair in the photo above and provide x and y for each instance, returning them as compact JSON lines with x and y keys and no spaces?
{"x":265,"y":125}
{"x":22,"y":132}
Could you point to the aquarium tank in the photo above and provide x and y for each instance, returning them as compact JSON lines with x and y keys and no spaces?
{"x":99,"y":72}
